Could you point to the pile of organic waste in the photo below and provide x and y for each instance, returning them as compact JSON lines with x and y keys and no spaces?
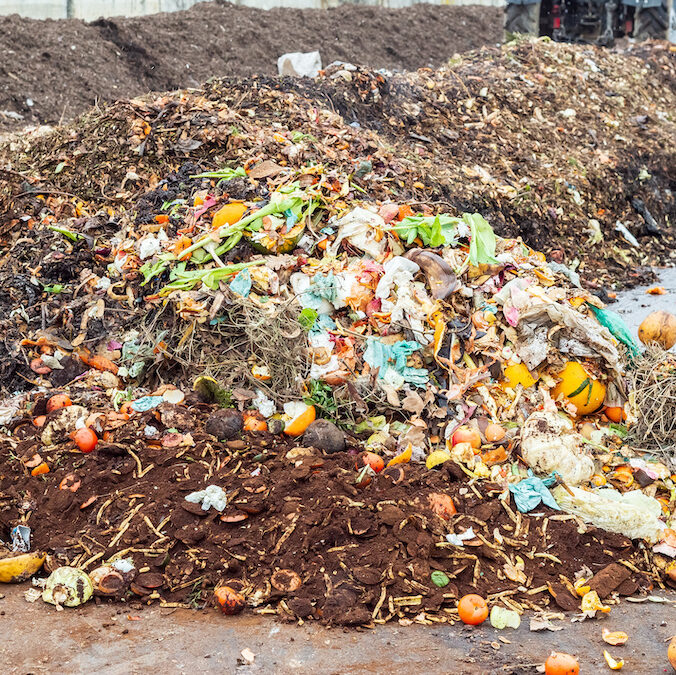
{"x":293,"y":380}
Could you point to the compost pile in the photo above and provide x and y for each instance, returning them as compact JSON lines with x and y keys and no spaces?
{"x":252,"y":345}
{"x":551,"y":142}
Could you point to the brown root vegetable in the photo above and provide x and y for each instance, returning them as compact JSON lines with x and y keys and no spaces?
{"x":660,"y":328}
{"x":440,"y":277}
{"x":224,"y":424}
{"x":325,"y":435}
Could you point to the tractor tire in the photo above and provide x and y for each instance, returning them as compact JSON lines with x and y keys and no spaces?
{"x":651,"y":23}
{"x":522,"y":19}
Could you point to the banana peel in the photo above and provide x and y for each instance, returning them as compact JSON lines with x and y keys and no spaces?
{"x":17,"y":568}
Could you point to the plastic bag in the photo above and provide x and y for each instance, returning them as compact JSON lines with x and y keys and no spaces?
{"x":616,"y":325}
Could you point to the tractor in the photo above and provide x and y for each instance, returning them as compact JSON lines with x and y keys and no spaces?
{"x":589,"y":21}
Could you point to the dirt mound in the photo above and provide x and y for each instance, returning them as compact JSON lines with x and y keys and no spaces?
{"x":297,"y":537}
{"x":66,"y":66}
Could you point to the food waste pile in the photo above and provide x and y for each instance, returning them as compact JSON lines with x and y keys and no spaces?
{"x":274,"y":383}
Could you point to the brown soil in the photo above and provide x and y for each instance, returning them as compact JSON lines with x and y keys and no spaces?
{"x":361,"y":553}
{"x":66,"y":66}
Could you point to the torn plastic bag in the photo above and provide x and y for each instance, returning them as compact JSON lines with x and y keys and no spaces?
{"x":575,"y":334}
{"x":395,"y":269}
{"x":530,"y":492}
{"x":631,"y":514}
{"x":549,"y":444}
{"x":616,"y":325}
{"x":390,"y":360}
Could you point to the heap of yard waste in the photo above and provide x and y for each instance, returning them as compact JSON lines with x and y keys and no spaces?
{"x":323,"y":401}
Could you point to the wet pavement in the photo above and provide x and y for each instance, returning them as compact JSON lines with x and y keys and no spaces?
{"x":634,"y":305}
{"x":114,"y":639}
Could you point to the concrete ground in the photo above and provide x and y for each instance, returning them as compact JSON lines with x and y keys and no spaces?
{"x":114,"y":639}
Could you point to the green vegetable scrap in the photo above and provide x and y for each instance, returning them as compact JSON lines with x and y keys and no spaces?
{"x":435,"y":231}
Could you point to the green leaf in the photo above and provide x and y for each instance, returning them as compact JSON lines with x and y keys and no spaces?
{"x":73,"y":236}
{"x":307,"y":318}
{"x":581,"y":388}
{"x":483,"y":240}
{"x":60,"y":167}
{"x":225,"y":173}
{"x":55,"y":288}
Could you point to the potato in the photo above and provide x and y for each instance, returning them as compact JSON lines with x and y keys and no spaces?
{"x":224,"y":424}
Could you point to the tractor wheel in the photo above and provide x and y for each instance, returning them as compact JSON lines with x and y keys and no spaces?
{"x":651,"y":23}
{"x":524,"y":19}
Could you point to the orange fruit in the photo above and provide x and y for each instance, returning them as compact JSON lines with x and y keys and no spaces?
{"x":228,"y":214}
{"x":298,"y":425}
{"x":441,"y":504}
{"x":671,"y":653}
{"x":40,"y":420}
{"x":85,"y":439}
{"x":494,"y":433}
{"x":615,"y":413}
{"x":659,"y":327}
{"x":560,"y":663}
{"x":467,"y":435}
{"x":253,"y":421}
{"x":517,"y":373}
{"x":57,"y":402}
{"x":472,"y":609}
{"x":582,"y":390}
{"x":374,"y":461}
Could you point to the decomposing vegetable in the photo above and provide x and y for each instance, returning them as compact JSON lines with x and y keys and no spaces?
{"x":57,"y":402}
{"x":438,"y":273}
{"x":324,"y":435}
{"x":67,"y":587}
{"x":224,"y":424}
{"x":229,"y":600}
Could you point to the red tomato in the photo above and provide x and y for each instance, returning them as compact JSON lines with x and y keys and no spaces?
{"x":374,"y":461}
{"x":85,"y":439}
{"x":57,"y":402}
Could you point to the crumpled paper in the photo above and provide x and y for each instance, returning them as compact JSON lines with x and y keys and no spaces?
{"x":576,"y":335}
